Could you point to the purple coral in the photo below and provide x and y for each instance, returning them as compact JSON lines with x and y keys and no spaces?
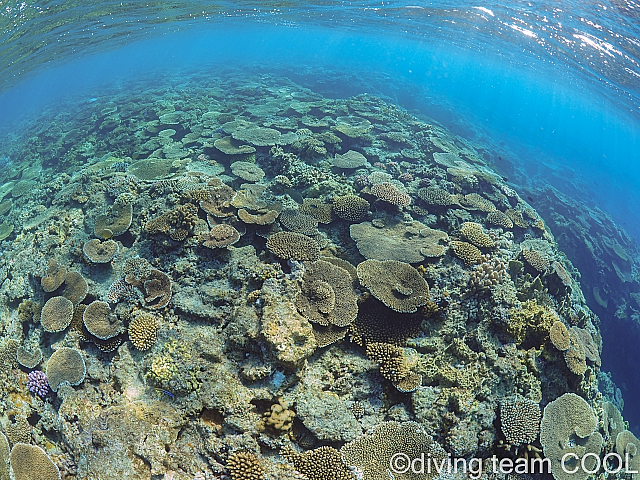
{"x":361,"y":181}
{"x":38,"y":384}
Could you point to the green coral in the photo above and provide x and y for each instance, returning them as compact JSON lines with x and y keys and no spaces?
{"x":173,"y":369}
{"x":531,"y":321}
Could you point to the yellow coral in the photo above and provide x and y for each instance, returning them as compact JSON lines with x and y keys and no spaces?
{"x":530,"y":319}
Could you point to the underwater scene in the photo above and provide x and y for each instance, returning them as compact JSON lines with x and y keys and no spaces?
{"x":319,"y":241}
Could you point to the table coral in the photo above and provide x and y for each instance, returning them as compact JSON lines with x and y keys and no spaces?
{"x":56,"y":314}
{"x":396,"y":284}
{"x":291,"y":245}
{"x":327,"y":295}
{"x":65,"y":365}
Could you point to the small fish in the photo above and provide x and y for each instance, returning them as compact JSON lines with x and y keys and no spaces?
{"x":166,"y":393}
{"x":294,"y":195}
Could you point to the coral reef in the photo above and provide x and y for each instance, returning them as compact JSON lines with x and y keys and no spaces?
{"x":372,"y":275}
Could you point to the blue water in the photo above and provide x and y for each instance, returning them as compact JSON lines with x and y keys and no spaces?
{"x":556,"y":87}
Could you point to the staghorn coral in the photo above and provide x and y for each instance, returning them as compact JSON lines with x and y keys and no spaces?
{"x":65,"y":365}
{"x":351,"y":208}
{"x":496,"y":217}
{"x":372,"y":452}
{"x":327,"y":296}
{"x":75,"y":287}
{"x":350,"y":159}
{"x":143,"y":331}
{"x":322,"y":212}
{"x":559,"y":336}
{"x":393,"y":366}
{"x":30,"y":462}
{"x":99,"y":251}
{"x":220,"y":236}
{"x":396,"y":284}
{"x":120,"y":290}
{"x":54,"y":277}
{"x":323,"y":463}
{"x":293,"y":246}
{"x":56,"y":314}
{"x":100,"y":321}
{"x":135,"y":270}
{"x":472,"y":232}
{"x":519,"y":420}
{"x":389,"y":193}
{"x":247,"y":171}
{"x":177,"y":223}
{"x":569,"y":427}
{"x":466,"y":252}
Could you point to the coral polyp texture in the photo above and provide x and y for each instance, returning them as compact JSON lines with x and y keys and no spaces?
{"x":396,"y":284}
{"x":569,"y":427}
{"x":143,"y":331}
{"x":54,"y":277}
{"x":100,"y":321}
{"x":29,"y":462}
{"x":56,"y":314}
{"x":293,"y":246}
{"x":223,"y":274}
{"x":327,"y":295}
{"x":99,"y":251}
{"x":221,"y":236}
{"x":245,"y":465}
{"x":65,"y":365}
